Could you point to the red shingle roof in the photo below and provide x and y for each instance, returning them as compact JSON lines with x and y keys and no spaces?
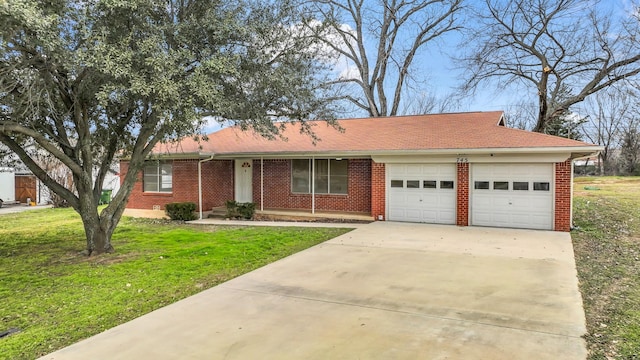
{"x":473,"y":130}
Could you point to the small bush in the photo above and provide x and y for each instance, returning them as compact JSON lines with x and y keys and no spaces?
{"x":232,"y":209}
{"x":240,"y":210}
{"x":247,"y":210}
{"x":181,"y":211}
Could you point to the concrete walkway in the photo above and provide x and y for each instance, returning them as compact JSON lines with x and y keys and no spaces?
{"x":383,"y":291}
{"x":18,"y":208}
{"x":277,"y":223}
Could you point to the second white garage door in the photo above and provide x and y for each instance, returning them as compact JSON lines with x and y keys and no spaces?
{"x":422,"y":193}
{"x":512,"y":195}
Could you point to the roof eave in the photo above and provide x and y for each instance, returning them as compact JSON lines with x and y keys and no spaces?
{"x":176,"y":156}
{"x":576,"y":151}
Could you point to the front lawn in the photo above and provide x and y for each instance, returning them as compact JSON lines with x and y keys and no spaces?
{"x":607,"y":250}
{"x":55,"y":296}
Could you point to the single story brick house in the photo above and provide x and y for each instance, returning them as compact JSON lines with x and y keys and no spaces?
{"x":459,"y":168}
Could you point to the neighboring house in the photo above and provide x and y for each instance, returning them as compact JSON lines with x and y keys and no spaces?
{"x":19,"y":186}
{"x":7,"y":184}
{"x":28,"y":187}
{"x":464,"y":169}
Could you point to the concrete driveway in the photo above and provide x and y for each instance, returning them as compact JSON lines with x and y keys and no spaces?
{"x":383,"y":291}
{"x":17,"y":208}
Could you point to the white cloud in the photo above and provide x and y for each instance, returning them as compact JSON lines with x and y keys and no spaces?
{"x":213,"y":124}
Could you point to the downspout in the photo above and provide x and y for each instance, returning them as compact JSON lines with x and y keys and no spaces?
{"x":571,"y":226}
{"x":200,"y":183}
{"x":261,"y":183}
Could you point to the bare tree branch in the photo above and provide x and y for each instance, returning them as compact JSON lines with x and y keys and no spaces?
{"x":398,"y":28}
{"x":566,"y":49}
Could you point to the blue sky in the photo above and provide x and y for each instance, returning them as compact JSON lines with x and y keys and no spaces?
{"x":434,"y":66}
{"x":444,"y":77}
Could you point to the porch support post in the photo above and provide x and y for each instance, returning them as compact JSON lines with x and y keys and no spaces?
{"x":200,"y":188}
{"x":261,"y":183}
{"x":200,"y":183}
{"x":313,"y":185}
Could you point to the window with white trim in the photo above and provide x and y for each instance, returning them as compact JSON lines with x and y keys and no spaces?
{"x":330,"y":176}
{"x":158,"y":176}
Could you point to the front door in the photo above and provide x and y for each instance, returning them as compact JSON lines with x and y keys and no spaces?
{"x":244,"y":180}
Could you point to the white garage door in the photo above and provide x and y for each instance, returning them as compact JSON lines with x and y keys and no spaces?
{"x":512,"y":195}
{"x":422,"y":193}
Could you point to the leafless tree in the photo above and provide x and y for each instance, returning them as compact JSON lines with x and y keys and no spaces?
{"x":430,"y":103}
{"x":380,"y":41}
{"x":521,"y":115}
{"x":629,"y":160}
{"x":609,"y":112}
{"x":566,"y":49}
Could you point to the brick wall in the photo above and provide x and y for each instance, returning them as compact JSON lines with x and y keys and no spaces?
{"x":217,"y":185}
{"x":278,"y":195}
{"x":378,"y":190}
{"x":563,"y":196}
{"x":462,"y":206}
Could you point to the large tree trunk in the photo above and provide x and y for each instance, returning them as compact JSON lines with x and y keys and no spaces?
{"x":98,"y":233}
{"x":98,"y":240}
{"x":98,"y":229}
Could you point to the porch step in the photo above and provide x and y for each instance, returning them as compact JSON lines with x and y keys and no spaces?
{"x":218,"y":213}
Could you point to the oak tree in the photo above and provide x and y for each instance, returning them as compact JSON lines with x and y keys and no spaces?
{"x":86,"y":82}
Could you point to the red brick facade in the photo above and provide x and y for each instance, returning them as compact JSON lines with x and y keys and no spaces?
{"x":217,"y":185}
{"x":562,"y":207}
{"x":366,"y":192}
{"x":462,"y":201}
{"x":378,"y":191}
{"x":278,"y":195}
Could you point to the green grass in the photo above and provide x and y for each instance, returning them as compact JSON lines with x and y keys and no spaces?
{"x":607,"y":249}
{"x":56,"y":296}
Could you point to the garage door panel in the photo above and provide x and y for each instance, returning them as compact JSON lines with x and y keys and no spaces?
{"x":415,"y":171}
{"x":482,"y":219}
{"x":425,"y":201}
{"x":413,"y":215}
{"x":396,"y":213}
{"x":536,"y":202}
{"x":522,"y":208}
{"x":431,"y":199}
{"x":413,"y":202}
{"x":502,"y":218}
{"x":446,"y":217}
{"x":524,"y":219}
{"x":430,"y":216}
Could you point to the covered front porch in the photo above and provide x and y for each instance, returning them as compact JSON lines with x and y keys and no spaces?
{"x":297,"y":188}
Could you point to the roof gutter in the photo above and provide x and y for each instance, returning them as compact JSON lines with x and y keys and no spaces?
{"x":577,"y":151}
